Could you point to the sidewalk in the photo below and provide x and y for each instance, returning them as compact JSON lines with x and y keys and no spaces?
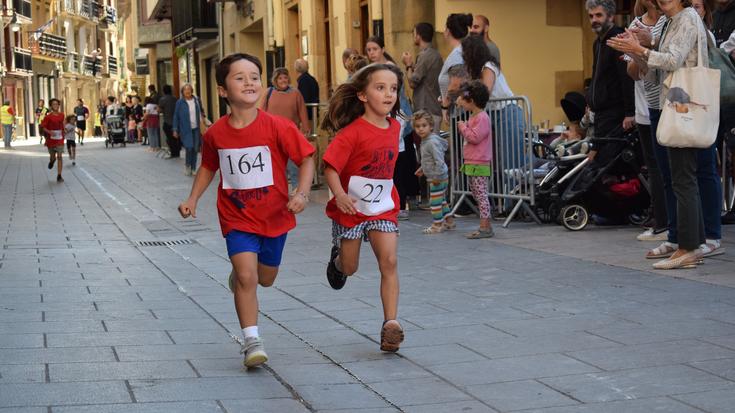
{"x":110,"y":302}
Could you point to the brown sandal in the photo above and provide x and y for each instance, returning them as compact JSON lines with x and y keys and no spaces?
{"x":391,"y":336}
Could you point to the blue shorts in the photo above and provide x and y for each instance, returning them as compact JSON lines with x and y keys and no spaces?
{"x":269,"y":250}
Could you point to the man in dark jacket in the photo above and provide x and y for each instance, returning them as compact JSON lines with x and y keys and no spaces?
{"x":307,"y":85}
{"x":723,"y":26}
{"x":167,"y":105}
{"x":610,"y":95}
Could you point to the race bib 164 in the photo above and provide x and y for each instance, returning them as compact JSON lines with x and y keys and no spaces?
{"x":246,"y":168}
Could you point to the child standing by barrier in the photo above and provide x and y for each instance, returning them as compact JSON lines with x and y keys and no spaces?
{"x":359,"y":166}
{"x":477,"y":150}
{"x":70,"y":134}
{"x":435,"y":169}
{"x":251,"y":148}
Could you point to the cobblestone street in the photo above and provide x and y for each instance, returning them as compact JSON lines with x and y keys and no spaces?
{"x":110,"y":302}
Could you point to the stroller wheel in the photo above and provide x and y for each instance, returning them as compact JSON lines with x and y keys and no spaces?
{"x":574,"y":217}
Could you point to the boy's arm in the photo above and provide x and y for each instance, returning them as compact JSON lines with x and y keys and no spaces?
{"x":201,"y":182}
{"x":300,"y":197}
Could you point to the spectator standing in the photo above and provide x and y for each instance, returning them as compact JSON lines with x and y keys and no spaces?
{"x":679,"y":47}
{"x":283,"y":100}
{"x":423,"y":74}
{"x":151,"y":122}
{"x":7,"y":118}
{"x":138,"y":112}
{"x":153,"y":94}
{"x":481,"y":27}
{"x":346,"y":54}
{"x":723,"y":20}
{"x":167,"y":106}
{"x":40,"y":113}
{"x":82,"y":114}
{"x":723,"y":27}
{"x":187,"y":118}
{"x":610,"y":95}
{"x":456,"y":30}
{"x":307,"y":85}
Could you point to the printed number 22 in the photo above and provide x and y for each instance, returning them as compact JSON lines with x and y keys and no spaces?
{"x":258,"y":163}
{"x":376,"y":198}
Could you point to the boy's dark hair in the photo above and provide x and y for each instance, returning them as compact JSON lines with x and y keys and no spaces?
{"x":222,"y":69}
{"x":52,"y":100}
{"x":459,"y":24}
{"x":476,"y":91}
{"x":345,"y":106}
{"x":425,"y":31}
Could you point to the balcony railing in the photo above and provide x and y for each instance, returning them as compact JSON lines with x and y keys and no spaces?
{"x":91,"y":9}
{"x":112,"y":65}
{"x":47,"y":45}
{"x":72,"y":62}
{"x":91,"y":66}
{"x":110,"y":15}
{"x":22,"y":7}
{"x":22,"y":59}
{"x":70,"y":6}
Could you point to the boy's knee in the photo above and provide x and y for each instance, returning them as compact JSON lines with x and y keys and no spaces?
{"x":246,"y":279}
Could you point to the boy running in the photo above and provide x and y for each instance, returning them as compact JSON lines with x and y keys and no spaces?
{"x":53,"y":128}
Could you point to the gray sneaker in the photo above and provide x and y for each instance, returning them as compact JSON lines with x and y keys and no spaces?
{"x":254,"y":352}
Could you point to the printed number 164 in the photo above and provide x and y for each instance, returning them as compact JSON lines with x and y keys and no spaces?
{"x":243,"y":162}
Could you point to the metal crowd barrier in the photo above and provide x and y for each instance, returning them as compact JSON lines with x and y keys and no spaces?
{"x":512,"y":184}
{"x":317,"y":111}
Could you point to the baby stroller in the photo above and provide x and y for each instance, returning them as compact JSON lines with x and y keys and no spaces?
{"x":115,"y":130}
{"x":612,"y":185}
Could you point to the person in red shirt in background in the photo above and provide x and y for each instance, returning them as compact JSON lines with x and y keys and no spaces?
{"x":53,"y":128}
{"x":359,"y":166}
{"x":250,"y":148}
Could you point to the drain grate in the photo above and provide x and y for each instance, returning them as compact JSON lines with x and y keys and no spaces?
{"x":164,"y":243}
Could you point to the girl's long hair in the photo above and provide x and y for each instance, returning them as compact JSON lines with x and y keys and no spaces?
{"x":345,"y":106}
{"x":379,"y":41}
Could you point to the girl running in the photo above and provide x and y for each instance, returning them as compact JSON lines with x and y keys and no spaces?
{"x":359,"y":166}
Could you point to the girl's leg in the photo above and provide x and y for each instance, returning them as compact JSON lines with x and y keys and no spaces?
{"x":385,"y":248}
{"x":436,"y":193}
{"x":348,"y":260}
{"x":478,"y":186}
{"x":59,"y":164}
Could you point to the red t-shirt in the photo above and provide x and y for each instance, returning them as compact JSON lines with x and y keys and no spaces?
{"x":253,"y":188}
{"x":54,"y":122}
{"x":364,"y":150}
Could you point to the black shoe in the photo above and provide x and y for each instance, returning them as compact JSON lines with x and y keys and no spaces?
{"x":335,"y":277}
{"x":51,"y":163}
{"x":81,"y":143}
{"x":729,"y":218}
{"x":59,"y":178}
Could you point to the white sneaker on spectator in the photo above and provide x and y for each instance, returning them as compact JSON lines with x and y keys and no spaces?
{"x":653,"y":235}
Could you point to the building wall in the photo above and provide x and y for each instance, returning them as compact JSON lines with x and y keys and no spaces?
{"x":539,"y":60}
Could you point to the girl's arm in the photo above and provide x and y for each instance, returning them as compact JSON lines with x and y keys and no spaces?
{"x":297,"y":203}
{"x":488,"y":78}
{"x":476,"y":133}
{"x":201,"y":182}
{"x":344,"y":202}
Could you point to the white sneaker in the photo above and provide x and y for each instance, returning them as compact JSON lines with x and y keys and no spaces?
{"x":254,"y":352}
{"x":652,"y":235}
{"x":187,"y":172}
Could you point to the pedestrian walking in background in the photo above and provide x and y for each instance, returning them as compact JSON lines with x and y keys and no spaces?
{"x":7,"y":118}
{"x":250,"y":149}
{"x":684,"y":43}
{"x":53,"y":128}
{"x":70,"y":134}
{"x":359,"y":166}
{"x":283,"y":100}
{"x":167,"y":106}
{"x":138,"y":113}
{"x":477,"y":150}
{"x":307,"y":85}
{"x":82,"y":114}
{"x":434,"y":168}
{"x":186,"y":126}
{"x":99,"y":121}
{"x":151,"y":122}
{"x":40,"y":112}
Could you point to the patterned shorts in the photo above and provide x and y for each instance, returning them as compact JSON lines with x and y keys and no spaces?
{"x":361,"y":230}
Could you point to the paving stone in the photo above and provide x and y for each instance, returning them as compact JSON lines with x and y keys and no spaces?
{"x":716,"y":401}
{"x":57,"y":394}
{"x":186,"y":407}
{"x":519,"y":395}
{"x":722,"y":368}
{"x":470,"y":407}
{"x":636,"y":383}
{"x":280,"y":405}
{"x":656,"y":404}
{"x":55,"y":355}
{"x":422,"y":390}
{"x":374,"y":371}
{"x":655,"y":354}
{"x":510,"y":369}
{"x":120,"y":371}
{"x":340,"y":396}
{"x":51,"y":327}
{"x":208,"y":388}
{"x":21,"y":340}
{"x":210,"y":336}
{"x":22,"y":373}
{"x":114,"y":338}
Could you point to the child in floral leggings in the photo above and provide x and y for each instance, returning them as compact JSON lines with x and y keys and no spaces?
{"x":477,"y":149}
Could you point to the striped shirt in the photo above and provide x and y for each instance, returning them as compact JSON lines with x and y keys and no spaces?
{"x":653,"y":88}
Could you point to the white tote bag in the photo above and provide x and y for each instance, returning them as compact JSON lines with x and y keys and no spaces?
{"x":691,"y":112}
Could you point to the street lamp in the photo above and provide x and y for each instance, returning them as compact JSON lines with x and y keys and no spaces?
{"x":14,"y":25}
